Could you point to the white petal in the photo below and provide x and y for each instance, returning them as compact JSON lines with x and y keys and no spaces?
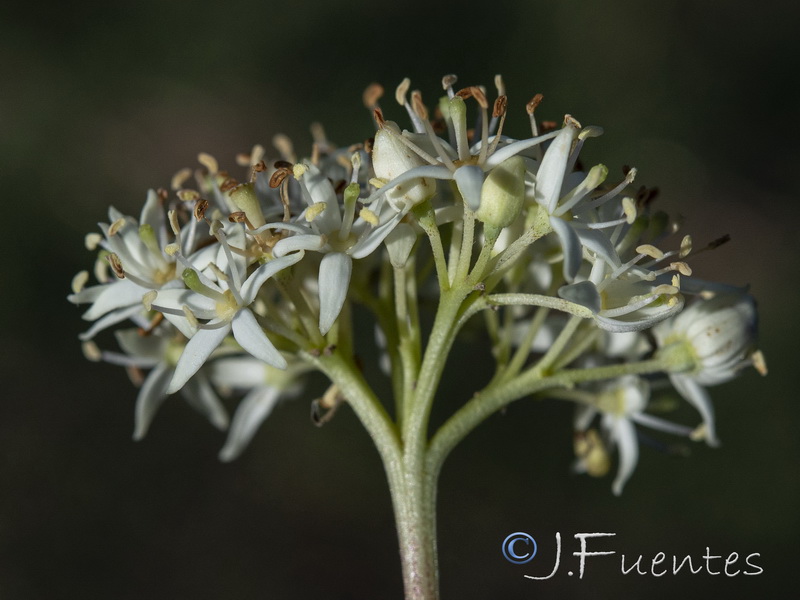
{"x":238,"y":372}
{"x":583,"y":293}
{"x":312,"y":242}
{"x":264,"y":272}
{"x":334,"y":281}
{"x":253,"y":409}
{"x":550,"y":176}
{"x":469,"y":179}
{"x":197,"y":350}
{"x":696,"y":395}
{"x":119,"y":294}
{"x":112,"y":318}
{"x":624,"y":433}
{"x":598,"y":242}
{"x":150,"y":398}
{"x":201,"y":306}
{"x":367,"y":244}
{"x":202,"y":397}
{"x":505,"y":152}
{"x":251,"y":337}
{"x":571,"y":244}
{"x":399,"y":243}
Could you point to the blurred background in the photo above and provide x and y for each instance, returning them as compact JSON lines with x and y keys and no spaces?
{"x":100,"y":101}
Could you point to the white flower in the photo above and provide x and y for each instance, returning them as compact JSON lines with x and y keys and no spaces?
{"x":340,"y":237}
{"x":136,"y":251}
{"x":719,"y":336}
{"x":224,"y":305}
{"x":266,"y":386}
{"x":621,"y":404}
{"x":159,"y":351}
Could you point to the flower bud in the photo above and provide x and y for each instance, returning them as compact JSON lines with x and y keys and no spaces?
{"x":391,"y":158}
{"x":719,"y":334}
{"x":503,"y":193}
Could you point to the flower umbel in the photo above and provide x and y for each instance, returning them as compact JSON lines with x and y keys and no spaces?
{"x":583,"y":291}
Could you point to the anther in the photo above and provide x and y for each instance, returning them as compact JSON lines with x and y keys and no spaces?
{"x":315,"y":210}
{"x":209,"y":162}
{"x":650,"y":250}
{"x":237,"y":217}
{"x":188,"y":195}
{"x":79,"y":281}
{"x":465,"y":93}
{"x":759,"y":362}
{"x":372,"y":94}
{"x":448,"y":81}
{"x":148,"y":298}
{"x":686,"y":246}
{"x":533,"y":103}
{"x":91,"y":351}
{"x":92,"y":240}
{"x":278,"y":177}
{"x":116,"y":226}
{"x":377,"y":114}
{"x":228,"y":185}
{"x":419,"y":106}
{"x":172,"y":216}
{"x":401,"y":91}
{"x":180,"y":178}
{"x":163,"y":195}
{"x":500,"y":85}
{"x":284,"y":145}
{"x":116,"y":265}
{"x":200,"y":208}
{"x":500,"y":106}
{"x":369,"y":216}
{"x":682,"y":268}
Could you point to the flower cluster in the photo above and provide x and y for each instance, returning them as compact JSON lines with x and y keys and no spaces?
{"x":244,"y":286}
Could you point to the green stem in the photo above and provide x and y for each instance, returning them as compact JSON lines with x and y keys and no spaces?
{"x":495,"y":397}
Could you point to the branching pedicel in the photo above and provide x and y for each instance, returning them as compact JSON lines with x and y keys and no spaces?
{"x":583,"y":288}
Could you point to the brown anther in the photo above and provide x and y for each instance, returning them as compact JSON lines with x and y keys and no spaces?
{"x":163,"y":195}
{"x":258,"y":167}
{"x":534,"y":103}
{"x":377,"y":114}
{"x":340,"y":185}
{"x":116,"y":265}
{"x":372,"y":94}
{"x":549,"y":126}
{"x":329,"y":350}
{"x":155,"y":322}
{"x":237,"y":217}
{"x":227,"y":185}
{"x":200,"y":208}
{"x":419,"y":105}
{"x":368,"y":144}
{"x":449,"y":81}
{"x":283,"y":164}
{"x":500,"y":106}
{"x":278,"y":176}
{"x":479,"y":96}
{"x":136,"y":375}
{"x":464,"y":93}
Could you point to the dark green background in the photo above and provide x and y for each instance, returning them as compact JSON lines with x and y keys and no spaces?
{"x":100,"y":101}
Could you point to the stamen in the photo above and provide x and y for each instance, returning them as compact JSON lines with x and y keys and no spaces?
{"x":116,"y":265}
{"x":369,"y":216}
{"x":209,"y":162}
{"x":372,"y":94}
{"x":629,"y":177}
{"x":92,"y":240}
{"x":116,"y":226}
{"x":91,"y":351}
{"x":759,"y":362}
{"x":284,"y":146}
{"x":278,"y":176}
{"x":401,"y":91}
{"x":448,"y":81}
{"x":193,"y":322}
{"x":498,"y":112}
{"x":79,"y":281}
{"x":187,"y":195}
{"x":377,"y":114}
{"x":148,"y":298}
{"x":682,"y":268}
{"x":315,"y":210}
{"x":200,"y":208}
{"x":257,"y":168}
{"x":530,"y":107}
{"x":650,"y":250}
{"x":318,"y":135}
{"x":686,"y":246}
{"x":180,"y":178}
{"x":172,"y":249}
{"x":629,"y":208}
{"x":419,"y":105}
{"x":237,"y":278}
